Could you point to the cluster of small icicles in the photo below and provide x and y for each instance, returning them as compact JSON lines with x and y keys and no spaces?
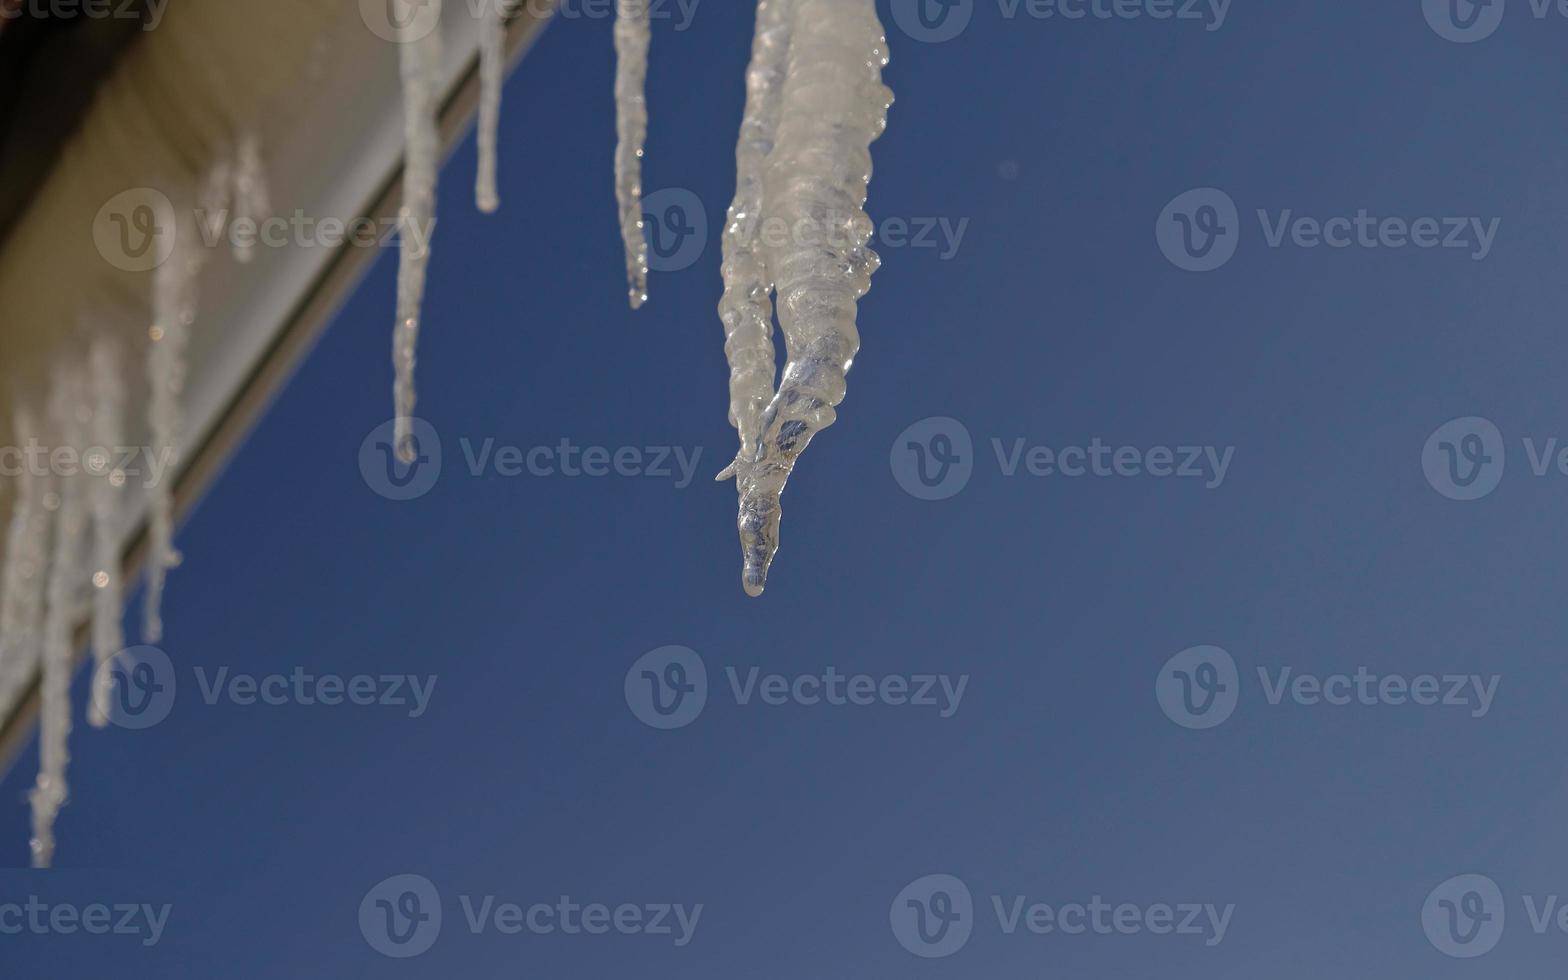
{"x":63,"y":559}
{"x":815,"y":102}
{"x":68,"y":525}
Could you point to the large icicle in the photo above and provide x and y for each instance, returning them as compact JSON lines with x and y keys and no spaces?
{"x":174,"y":311}
{"x":421,"y":73}
{"x":834,"y":106}
{"x":65,"y":577}
{"x":492,"y":58}
{"x":747,"y":306}
{"x":633,"y":37}
{"x":26,"y":563}
{"x":107,"y":480}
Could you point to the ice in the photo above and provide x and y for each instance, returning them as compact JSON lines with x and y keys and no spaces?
{"x":747,"y":305}
{"x":235,"y":191}
{"x":421,"y":74}
{"x":815,"y":103}
{"x":174,"y":310}
{"x":251,"y":198}
{"x":633,"y":37}
{"x":492,"y":58}
{"x":26,"y":559}
{"x":65,"y":576}
{"x":834,"y":107}
{"x":105,"y":363}
{"x":217,"y":194}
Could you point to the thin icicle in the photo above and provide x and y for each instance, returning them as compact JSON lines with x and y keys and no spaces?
{"x":421,"y":72}
{"x":252,"y":202}
{"x":747,"y":306}
{"x":26,"y":563}
{"x":834,"y":106}
{"x":105,"y":363}
{"x":492,"y":56}
{"x":633,"y":37}
{"x":217,"y":194}
{"x":174,"y":310}
{"x":50,"y":792}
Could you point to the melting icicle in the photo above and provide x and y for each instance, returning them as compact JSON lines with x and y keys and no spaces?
{"x":633,"y":37}
{"x":174,"y":310}
{"x":251,"y":198}
{"x":26,"y":559}
{"x":747,"y":306}
{"x":421,"y":71}
{"x":492,"y":56}
{"x":834,"y":106}
{"x":104,"y":363}
{"x":49,"y":793}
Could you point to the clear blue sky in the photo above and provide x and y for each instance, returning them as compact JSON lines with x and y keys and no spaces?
{"x":1057,"y":321}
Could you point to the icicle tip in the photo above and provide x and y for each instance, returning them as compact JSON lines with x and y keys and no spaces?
{"x":759,"y":539}
{"x":405,"y":443}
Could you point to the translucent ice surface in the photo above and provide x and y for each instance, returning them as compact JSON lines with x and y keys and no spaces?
{"x":106,"y":483}
{"x":70,"y":518}
{"x":747,"y":306}
{"x":834,"y":106}
{"x":633,"y":37}
{"x":492,"y":56}
{"x":26,"y":564}
{"x":421,"y":74}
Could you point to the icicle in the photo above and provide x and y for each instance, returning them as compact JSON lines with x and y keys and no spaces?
{"x":251,"y":198}
{"x":492,"y":55}
{"x":49,"y":793}
{"x":747,"y":306}
{"x":633,"y":37}
{"x":834,"y":106}
{"x":107,"y":480}
{"x":216,"y":195}
{"x":26,"y":560}
{"x":174,"y":310}
{"x":421,"y":71}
